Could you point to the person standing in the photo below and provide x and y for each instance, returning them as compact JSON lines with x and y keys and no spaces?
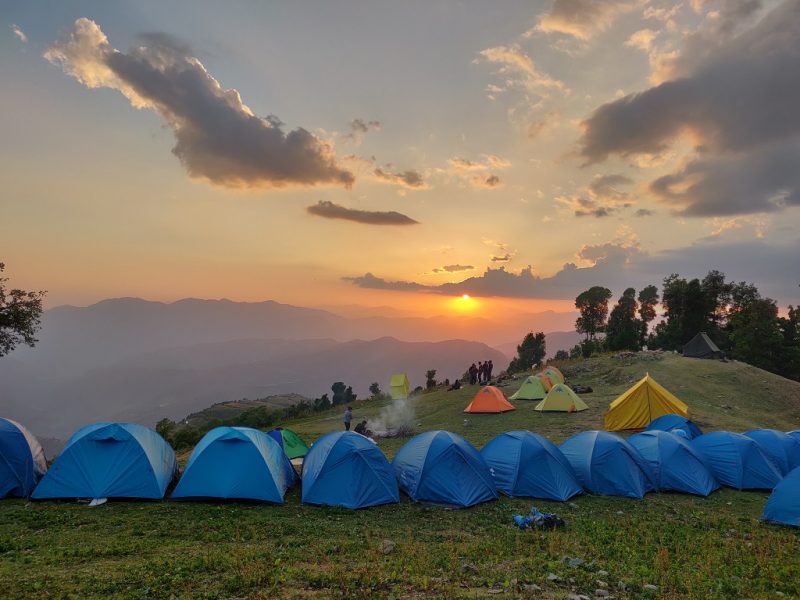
{"x":348,"y":417}
{"x":473,"y":374}
{"x":481,"y":371}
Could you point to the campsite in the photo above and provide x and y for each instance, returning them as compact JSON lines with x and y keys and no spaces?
{"x":240,"y":549}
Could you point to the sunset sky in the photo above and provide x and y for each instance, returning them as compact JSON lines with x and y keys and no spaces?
{"x":323,"y":153}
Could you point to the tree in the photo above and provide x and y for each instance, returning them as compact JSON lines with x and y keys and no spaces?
{"x":342,"y":394}
{"x":530,"y":352}
{"x":375,"y":389}
{"x":755,"y":334}
{"x":575,"y":351}
{"x":623,"y":330}
{"x":430,"y":379}
{"x":648,"y":298}
{"x":20,"y":316}
{"x":561,"y":355}
{"x":593,"y":306}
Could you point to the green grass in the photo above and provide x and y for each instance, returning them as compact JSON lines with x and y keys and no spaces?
{"x":689,"y":547}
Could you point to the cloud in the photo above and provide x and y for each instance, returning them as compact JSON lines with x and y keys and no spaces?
{"x":644,"y":212}
{"x":477,"y":173}
{"x":453,"y":268}
{"x":642,"y":40}
{"x":20,"y":35}
{"x":486,"y":182}
{"x":582,"y":18}
{"x":359,"y":128}
{"x":739,"y":107}
{"x":329,"y":210}
{"x":607,"y":186}
{"x":218,"y":138}
{"x":503,"y":258}
{"x":369,"y":281}
{"x":601,"y":198}
{"x":518,"y":68}
{"x":410,"y":178}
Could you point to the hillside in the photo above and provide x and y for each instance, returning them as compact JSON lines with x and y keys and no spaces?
{"x":685,"y":546}
{"x":223,"y":411}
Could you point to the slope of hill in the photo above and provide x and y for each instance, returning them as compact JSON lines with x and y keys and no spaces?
{"x":223,"y":411}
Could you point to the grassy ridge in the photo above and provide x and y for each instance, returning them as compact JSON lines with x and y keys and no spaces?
{"x":689,"y":547}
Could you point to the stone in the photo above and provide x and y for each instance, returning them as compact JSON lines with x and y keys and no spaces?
{"x":469,"y":568}
{"x":649,"y":587}
{"x":602,"y":584}
{"x":552,"y":577}
{"x":531,"y":587}
{"x":601,"y":593}
{"x":622,"y":586}
{"x":602,"y":573}
{"x":387,"y":546}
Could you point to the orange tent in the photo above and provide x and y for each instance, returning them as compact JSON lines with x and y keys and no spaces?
{"x":489,"y":400}
{"x":546,"y":381}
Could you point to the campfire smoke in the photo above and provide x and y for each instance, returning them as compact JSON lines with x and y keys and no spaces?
{"x":395,"y":420}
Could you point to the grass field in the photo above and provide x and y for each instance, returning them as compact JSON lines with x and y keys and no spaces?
{"x":688,"y":547}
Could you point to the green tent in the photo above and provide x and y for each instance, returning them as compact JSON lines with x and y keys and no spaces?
{"x":291,"y":443}
{"x":554,"y":375}
{"x":561,"y":399}
{"x":399,"y":386}
{"x":531,"y":389}
{"x":701,"y":346}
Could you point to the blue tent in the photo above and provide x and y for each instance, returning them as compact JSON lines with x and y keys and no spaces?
{"x":527,"y":464}
{"x":443,"y":468}
{"x":675,"y":422}
{"x":607,"y":465}
{"x":110,"y":460}
{"x":782,"y":449}
{"x":236,"y":463}
{"x":674,"y":465}
{"x":783,"y":505}
{"x":344,"y":468}
{"x":736,"y":461}
{"x":794,"y":434}
{"x":22,"y":460}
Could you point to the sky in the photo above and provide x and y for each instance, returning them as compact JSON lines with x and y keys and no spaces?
{"x":398,"y":154}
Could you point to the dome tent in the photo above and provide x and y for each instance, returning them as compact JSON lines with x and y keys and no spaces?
{"x":783,"y":505}
{"x":443,"y":468}
{"x":236,"y":463}
{"x":343,"y":468}
{"x":736,"y":460}
{"x":110,"y":460}
{"x":782,"y":449}
{"x":638,"y":406}
{"x":527,"y":464}
{"x":489,"y":399}
{"x":22,"y":460}
{"x":293,"y":446}
{"x":531,"y":389}
{"x":554,"y":374}
{"x":561,"y":398}
{"x":675,"y":422}
{"x":607,"y":465}
{"x":674,"y":465}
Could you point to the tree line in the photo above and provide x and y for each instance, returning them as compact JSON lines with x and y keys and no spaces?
{"x":744,"y":324}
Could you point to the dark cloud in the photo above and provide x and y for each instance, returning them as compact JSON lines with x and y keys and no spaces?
{"x":369,"y":281}
{"x":607,"y":186}
{"x":486,"y":181}
{"x":453,"y":268}
{"x":329,"y":210}
{"x":362,"y":126}
{"x":218,"y":137}
{"x":411,"y":179}
{"x":503,"y":258}
{"x":644,"y":212}
{"x":739,"y":104}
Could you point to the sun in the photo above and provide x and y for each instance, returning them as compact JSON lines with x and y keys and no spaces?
{"x":465,"y":297}
{"x":463,"y":304}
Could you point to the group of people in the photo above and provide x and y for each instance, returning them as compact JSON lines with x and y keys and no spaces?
{"x":481,"y":373}
{"x":360,"y":427}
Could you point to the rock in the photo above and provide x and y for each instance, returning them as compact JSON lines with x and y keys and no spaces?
{"x":602,"y":573}
{"x":573,"y":562}
{"x":574,"y":596}
{"x":601,"y":593}
{"x":552,"y":577}
{"x":469,"y":568}
{"x":602,"y":584}
{"x":622,"y":586}
{"x":572,"y":505}
{"x":531,"y":587}
{"x":496,"y":591}
{"x":387,"y":546}
{"x":620,"y":512}
{"x":649,"y":587}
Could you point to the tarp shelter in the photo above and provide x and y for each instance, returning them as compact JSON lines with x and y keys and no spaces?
{"x":783,"y":505}
{"x":546,"y":381}
{"x":399,"y":386}
{"x":489,"y":399}
{"x":110,"y":460}
{"x":344,"y":468}
{"x":529,"y":465}
{"x":561,"y":399}
{"x":607,"y":465}
{"x":554,"y":374}
{"x":236,"y":463}
{"x":673,"y":464}
{"x":783,"y":449}
{"x":638,"y":406}
{"x":736,"y":460}
{"x":531,"y":389}
{"x":675,"y":423}
{"x":292,"y":445}
{"x":701,"y":346}
{"x":22,"y":460}
{"x":443,"y":468}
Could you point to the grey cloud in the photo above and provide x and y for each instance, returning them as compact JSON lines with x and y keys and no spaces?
{"x":453,"y":268}
{"x":362,"y":126}
{"x":486,"y":181}
{"x":218,"y":137}
{"x":19,"y":34}
{"x":329,"y":210}
{"x":369,"y":281}
{"x":582,"y":18}
{"x":607,"y":186}
{"x":503,"y":258}
{"x":412,"y":179}
{"x":644,"y":212}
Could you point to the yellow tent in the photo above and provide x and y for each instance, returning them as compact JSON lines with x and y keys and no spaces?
{"x":561,"y":399}
{"x":531,"y":389}
{"x":399,"y":386}
{"x":645,"y":401}
{"x":554,"y":374}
